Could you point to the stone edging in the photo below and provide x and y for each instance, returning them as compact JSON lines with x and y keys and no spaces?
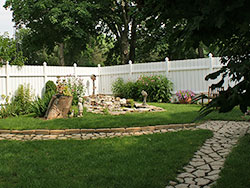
{"x":103,"y":130}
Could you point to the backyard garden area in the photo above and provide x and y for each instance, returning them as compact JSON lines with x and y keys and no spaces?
{"x":125,"y":93}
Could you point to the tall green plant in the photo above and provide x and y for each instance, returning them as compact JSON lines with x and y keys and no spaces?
{"x":40,"y":105}
{"x":23,"y":99}
{"x":158,"y":87}
{"x":50,"y":86}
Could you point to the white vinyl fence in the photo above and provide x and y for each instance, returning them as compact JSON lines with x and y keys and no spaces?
{"x":36,"y":77}
{"x":185,"y":74}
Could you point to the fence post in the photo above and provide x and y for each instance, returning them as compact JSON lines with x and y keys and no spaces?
{"x":7,"y":77}
{"x":75,"y":73}
{"x":44,"y":72}
{"x":99,"y":79}
{"x":130,"y":68}
{"x":167,"y":66}
{"x":210,"y":55}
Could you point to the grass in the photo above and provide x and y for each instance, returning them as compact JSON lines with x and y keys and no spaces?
{"x":174,"y":114}
{"x":236,"y":172}
{"x":133,"y":162}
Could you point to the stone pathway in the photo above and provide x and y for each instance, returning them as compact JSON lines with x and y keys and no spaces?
{"x":204,"y":168}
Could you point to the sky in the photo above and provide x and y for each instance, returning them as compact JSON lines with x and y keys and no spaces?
{"x":6,"y":24}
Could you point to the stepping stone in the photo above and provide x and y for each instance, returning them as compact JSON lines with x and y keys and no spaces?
{"x":182,"y":186}
{"x":202,"y":181}
{"x":199,"y":173}
{"x":204,"y":167}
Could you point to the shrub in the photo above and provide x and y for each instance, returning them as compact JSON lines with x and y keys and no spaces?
{"x":7,"y":109}
{"x":158,"y":88}
{"x":76,"y":87}
{"x":22,"y":100}
{"x":50,"y":86}
{"x":40,"y":105}
{"x":20,"y":104}
{"x":124,"y":90}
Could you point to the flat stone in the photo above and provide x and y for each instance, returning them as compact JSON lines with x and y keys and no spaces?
{"x":181,"y":180}
{"x":199,"y":173}
{"x":43,"y":132}
{"x":185,"y":175}
{"x":182,"y":185}
{"x":172,"y":183}
{"x":202,"y":181}
{"x":208,"y":159}
{"x":204,"y":167}
{"x":189,"y":169}
{"x":57,"y":132}
{"x":194,"y":186}
{"x":214,"y":155}
{"x":189,"y":180}
{"x":214,"y":172}
{"x":72,"y":131}
{"x":213,"y":177}
{"x":196,"y":164}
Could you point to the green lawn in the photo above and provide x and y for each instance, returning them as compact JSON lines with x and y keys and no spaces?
{"x":131,"y":162}
{"x":175,"y":113}
{"x":236,"y":172}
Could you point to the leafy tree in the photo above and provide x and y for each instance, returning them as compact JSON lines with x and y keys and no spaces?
{"x":9,"y":52}
{"x":225,"y":24}
{"x":53,"y":22}
{"x":120,"y":19}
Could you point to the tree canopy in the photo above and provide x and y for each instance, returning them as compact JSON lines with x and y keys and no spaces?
{"x":222,"y":23}
{"x":9,"y":52}
{"x":53,"y":22}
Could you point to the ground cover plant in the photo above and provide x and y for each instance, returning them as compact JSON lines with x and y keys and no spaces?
{"x":133,"y":162}
{"x":236,"y":172}
{"x":174,"y":114}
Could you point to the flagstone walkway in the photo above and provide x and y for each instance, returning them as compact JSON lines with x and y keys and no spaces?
{"x":204,"y":168}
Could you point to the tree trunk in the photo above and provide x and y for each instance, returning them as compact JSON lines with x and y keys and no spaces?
{"x":200,"y":52}
{"x":133,"y":41}
{"x":124,"y":49}
{"x":125,"y":33}
{"x":59,"y":107}
{"x":61,"y":54}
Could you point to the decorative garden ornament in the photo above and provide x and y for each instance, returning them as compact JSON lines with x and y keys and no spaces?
{"x":144,"y":94}
{"x":80,"y":107}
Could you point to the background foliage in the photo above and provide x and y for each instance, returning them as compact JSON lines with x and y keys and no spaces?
{"x":157,"y":87}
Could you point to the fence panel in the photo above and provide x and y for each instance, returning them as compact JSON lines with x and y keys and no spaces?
{"x":11,"y":77}
{"x":185,"y":74}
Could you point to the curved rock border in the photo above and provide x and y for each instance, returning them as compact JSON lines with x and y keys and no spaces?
{"x":156,"y":128}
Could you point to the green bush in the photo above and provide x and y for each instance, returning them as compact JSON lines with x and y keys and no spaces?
{"x":40,"y":105}
{"x":7,"y":109}
{"x":22,"y":100}
{"x":50,"y":86}
{"x":20,"y":104}
{"x":124,"y":90}
{"x":158,"y":87}
{"x":76,"y":88}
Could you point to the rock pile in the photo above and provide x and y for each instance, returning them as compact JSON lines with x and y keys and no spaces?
{"x":101,"y":104}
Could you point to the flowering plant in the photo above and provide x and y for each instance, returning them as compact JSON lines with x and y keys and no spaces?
{"x":62,"y":87}
{"x":184,"y":94}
